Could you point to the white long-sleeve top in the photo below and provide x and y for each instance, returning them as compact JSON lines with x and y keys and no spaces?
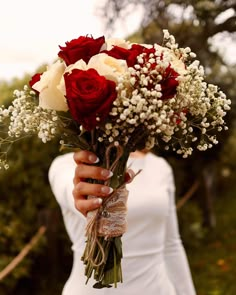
{"x":154,"y":260}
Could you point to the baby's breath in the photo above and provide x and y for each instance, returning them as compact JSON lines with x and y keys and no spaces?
{"x":196,"y":105}
{"x":142,"y":111}
{"x":25,"y":118}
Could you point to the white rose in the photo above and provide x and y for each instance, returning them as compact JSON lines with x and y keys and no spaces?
{"x":80,"y":64}
{"x":177,"y":64}
{"x":117,"y":42}
{"x":108,"y":66}
{"x":105,"y":65}
{"x":50,"y":97}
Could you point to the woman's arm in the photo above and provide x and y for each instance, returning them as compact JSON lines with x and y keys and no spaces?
{"x":175,"y":255}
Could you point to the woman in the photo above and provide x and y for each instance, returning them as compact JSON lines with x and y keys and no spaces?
{"x":154,"y":261}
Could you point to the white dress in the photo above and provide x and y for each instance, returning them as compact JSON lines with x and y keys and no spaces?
{"x":154,"y":261}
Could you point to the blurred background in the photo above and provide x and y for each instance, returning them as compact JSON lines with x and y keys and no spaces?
{"x":32,"y":234}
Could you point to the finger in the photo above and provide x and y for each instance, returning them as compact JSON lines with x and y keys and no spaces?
{"x":83,"y":189}
{"x":85,"y":157}
{"x":84,"y":206}
{"x":84,"y":171}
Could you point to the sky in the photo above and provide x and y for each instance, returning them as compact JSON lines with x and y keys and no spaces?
{"x":31,"y":31}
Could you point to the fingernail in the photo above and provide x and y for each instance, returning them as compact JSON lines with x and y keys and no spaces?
{"x":93,"y":159}
{"x":106,"y":173}
{"x":106,"y":190}
{"x":97,"y":201}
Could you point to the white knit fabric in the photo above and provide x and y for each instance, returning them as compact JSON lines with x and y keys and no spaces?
{"x":154,"y":261}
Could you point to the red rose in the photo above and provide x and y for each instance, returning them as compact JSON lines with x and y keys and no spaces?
{"x":169,"y":83}
{"x":117,"y":52}
{"x":137,"y":50}
{"x":130,"y":55}
{"x":89,"y":96}
{"x":81,"y":48}
{"x":35,"y":78}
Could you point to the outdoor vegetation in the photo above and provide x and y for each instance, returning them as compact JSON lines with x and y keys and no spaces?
{"x":205,"y":182}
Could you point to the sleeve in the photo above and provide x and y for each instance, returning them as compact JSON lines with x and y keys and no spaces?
{"x":175,"y":255}
{"x":60,"y":175}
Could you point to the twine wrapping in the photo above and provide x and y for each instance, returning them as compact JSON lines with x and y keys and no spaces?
{"x":110,"y":220}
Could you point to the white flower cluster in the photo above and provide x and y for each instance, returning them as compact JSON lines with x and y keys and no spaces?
{"x":140,"y":109}
{"x":24,"y":117}
{"x":162,"y":99}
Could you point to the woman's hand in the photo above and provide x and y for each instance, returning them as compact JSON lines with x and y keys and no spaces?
{"x":85,"y":169}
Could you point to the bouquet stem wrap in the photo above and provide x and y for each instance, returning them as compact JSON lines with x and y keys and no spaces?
{"x":107,"y":224}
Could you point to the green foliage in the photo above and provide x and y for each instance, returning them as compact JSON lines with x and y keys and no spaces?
{"x":7,"y":88}
{"x":228,"y":156}
{"x":191,"y":225}
{"x":25,"y":196}
{"x":213,"y":262}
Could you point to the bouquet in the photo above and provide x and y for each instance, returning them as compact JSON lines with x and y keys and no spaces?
{"x":113,"y":97}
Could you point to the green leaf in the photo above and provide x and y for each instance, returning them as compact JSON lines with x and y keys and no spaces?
{"x":100,"y":285}
{"x":118,"y":246}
